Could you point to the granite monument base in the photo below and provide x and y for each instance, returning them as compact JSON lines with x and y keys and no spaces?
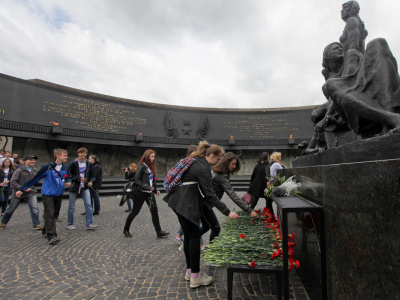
{"x":362,"y":217}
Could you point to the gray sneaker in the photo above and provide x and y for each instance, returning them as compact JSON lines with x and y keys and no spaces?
{"x":91,"y":226}
{"x":203,"y":279}
{"x":54,"y":240}
{"x":71,"y":227}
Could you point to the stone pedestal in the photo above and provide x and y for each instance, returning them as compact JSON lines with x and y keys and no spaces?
{"x":362,"y":219}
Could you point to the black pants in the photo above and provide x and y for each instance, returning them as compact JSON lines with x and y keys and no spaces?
{"x":191,"y":243}
{"x":140,"y":198}
{"x":268,"y":202}
{"x":52,"y":206}
{"x":209,"y":220}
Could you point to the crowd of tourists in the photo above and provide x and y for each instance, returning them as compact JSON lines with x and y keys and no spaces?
{"x":201,"y":187}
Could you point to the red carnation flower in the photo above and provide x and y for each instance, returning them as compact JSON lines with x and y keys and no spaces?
{"x":155,"y":178}
{"x":252,"y":221}
{"x":242,"y":236}
{"x":297,"y":264}
{"x":252,"y":264}
{"x":291,"y":236}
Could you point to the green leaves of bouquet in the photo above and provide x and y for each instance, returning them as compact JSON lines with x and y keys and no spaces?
{"x":273,"y":181}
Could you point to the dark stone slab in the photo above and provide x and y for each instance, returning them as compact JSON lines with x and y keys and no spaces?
{"x":362,"y":217}
{"x":376,"y":148}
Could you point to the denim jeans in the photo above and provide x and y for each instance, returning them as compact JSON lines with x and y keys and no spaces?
{"x":128,"y":201}
{"x":94,"y":194}
{"x":33,"y":208}
{"x":4,"y":195}
{"x":88,"y":206}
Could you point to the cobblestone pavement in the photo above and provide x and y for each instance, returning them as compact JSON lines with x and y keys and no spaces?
{"x":103,"y":264}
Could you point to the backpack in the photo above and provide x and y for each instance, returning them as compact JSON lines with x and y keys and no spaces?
{"x":173,"y":178}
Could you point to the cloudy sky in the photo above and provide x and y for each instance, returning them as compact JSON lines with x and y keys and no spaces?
{"x":204,"y":53}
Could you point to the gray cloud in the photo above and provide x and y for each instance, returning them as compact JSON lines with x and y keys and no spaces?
{"x":208,"y":53}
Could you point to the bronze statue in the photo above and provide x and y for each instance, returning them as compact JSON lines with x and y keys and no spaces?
{"x":367,"y":94}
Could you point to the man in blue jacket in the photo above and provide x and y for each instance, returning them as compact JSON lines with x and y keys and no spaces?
{"x":55,"y":175}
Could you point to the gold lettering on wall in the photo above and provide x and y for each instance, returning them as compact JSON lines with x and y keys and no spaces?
{"x":261,"y":127}
{"x":94,"y":115}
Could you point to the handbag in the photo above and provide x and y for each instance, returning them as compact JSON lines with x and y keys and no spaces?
{"x":247,"y":198}
{"x":130,"y":190}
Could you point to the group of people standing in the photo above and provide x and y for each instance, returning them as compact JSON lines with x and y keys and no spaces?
{"x":202,"y":188}
{"x":83,"y":177}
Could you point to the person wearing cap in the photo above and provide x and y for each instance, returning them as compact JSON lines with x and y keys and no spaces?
{"x":56,"y":177}
{"x":19,"y":177}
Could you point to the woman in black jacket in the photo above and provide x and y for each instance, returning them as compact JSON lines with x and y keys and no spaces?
{"x":227,"y":166}
{"x":192,"y":202}
{"x":6,"y":171}
{"x":145,"y":179}
{"x":258,"y":181}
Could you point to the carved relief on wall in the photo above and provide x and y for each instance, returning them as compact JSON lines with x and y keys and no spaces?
{"x":170,"y":128}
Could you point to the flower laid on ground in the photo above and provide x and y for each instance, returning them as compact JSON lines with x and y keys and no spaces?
{"x":254,"y":242}
{"x":272,"y":182}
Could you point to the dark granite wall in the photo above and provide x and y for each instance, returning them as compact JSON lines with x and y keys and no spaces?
{"x":114,"y":158}
{"x":362,"y":213}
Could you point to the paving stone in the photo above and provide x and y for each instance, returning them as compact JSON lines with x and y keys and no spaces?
{"x":103,"y":264}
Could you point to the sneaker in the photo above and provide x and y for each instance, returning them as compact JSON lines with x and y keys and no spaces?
{"x":58,"y":220}
{"x":2,"y":226}
{"x":187,"y":276}
{"x":128,"y":210}
{"x":82,"y":214}
{"x":180,"y":248}
{"x":91,"y":226}
{"x":38,"y":227}
{"x":96,"y":213}
{"x":179,"y":240}
{"x":203,"y":279}
{"x":54,"y":240}
{"x":127,"y":233}
{"x":71,"y":227}
{"x":202,"y":248}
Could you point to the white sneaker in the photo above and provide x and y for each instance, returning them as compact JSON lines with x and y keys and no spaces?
{"x":91,"y":226}
{"x":203,"y":279}
{"x":187,"y":276}
{"x":71,"y":227}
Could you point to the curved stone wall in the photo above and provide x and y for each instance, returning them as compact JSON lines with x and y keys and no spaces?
{"x":42,"y":113}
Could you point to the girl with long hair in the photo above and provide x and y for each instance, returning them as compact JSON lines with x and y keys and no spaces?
{"x":227,"y":166}
{"x":192,"y":202}
{"x":145,"y":179}
{"x":6,"y":170}
{"x":258,"y":181}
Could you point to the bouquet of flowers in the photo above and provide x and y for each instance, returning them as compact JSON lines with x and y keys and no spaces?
{"x":250,"y":241}
{"x":273,"y":181}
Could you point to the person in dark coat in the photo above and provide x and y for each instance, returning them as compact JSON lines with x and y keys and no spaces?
{"x":94,"y":190}
{"x":82,"y":177}
{"x":258,"y":181}
{"x":192,"y":202}
{"x":6,"y":171}
{"x":145,"y":179}
{"x":130,"y":175}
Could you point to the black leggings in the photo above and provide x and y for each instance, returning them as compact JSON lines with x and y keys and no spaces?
{"x":137,"y":206}
{"x":191,"y":243}
{"x":268,"y":202}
